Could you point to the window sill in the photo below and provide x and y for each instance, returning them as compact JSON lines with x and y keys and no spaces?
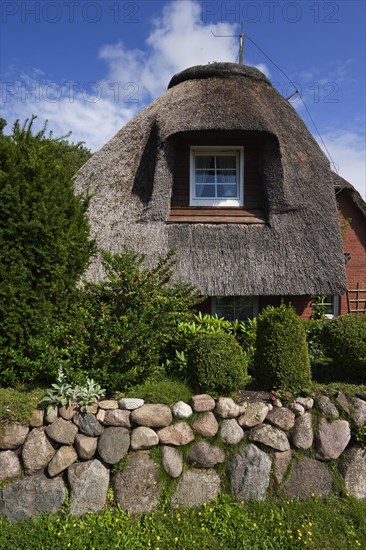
{"x":201,"y":214}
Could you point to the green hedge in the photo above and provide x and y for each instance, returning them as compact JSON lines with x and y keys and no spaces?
{"x":344,"y":339}
{"x":216,"y":363}
{"x":281,"y":357}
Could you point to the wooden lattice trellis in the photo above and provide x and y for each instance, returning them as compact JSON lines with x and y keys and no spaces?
{"x":356,"y":300}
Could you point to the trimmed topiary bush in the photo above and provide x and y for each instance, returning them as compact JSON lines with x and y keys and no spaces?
{"x":281,"y":358}
{"x":216,"y":363}
{"x":344,"y":339}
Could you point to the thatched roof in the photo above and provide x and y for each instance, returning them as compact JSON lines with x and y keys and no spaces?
{"x":298,"y":251}
{"x":341,"y":185}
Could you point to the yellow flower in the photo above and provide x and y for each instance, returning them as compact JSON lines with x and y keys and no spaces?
{"x":69,"y":544}
{"x":254,"y":525}
{"x":211,"y":509}
{"x":116,"y":520}
{"x":59,"y":534}
{"x":157,"y":537}
{"x":176,"y":539}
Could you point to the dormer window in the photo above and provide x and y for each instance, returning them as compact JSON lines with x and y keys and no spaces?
{"x":216,"y":176}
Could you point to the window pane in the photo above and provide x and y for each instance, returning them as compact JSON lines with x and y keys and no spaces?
{"x":226,"y":176}
{"x":244,"y":307}
{"x":203,"y":176}
{"x":226,"y":161}
{"x":227,"y":191}
{"x":205,"y":161}
{"x":205,"y":191}
{"x":235,"y":307}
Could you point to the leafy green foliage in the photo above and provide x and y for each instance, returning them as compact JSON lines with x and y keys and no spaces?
{"x":44,"y":245}
{"x":313,"y":330}
{"x":360,"y":434}
{"x":244,"y":332}
{"x":216,"y":363}
{"x":63,"y":393}
{"x":118,"y":330}
{"x":344,"y":339}
{"x":281,"y":357}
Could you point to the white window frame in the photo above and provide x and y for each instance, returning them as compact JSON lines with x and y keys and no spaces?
{"x":334,"y":304}
{"x":213,"y":150}
{"x":255,"y":305}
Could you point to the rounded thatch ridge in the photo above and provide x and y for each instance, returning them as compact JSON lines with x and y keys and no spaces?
{"x":220,"y":70}
{"x":341,"y":184}
{"x":298,"y":251}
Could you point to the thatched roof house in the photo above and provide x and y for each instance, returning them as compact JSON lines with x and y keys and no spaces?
{"x":223,"y":169}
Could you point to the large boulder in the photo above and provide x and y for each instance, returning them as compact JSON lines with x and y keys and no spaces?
{"x":196,"y":487}
{"x":64,"y":457}
{"x":206,"y":424}
{"x":353,"y":469}
{"x":117,"y":417}
{"x":9,"y":465}
{"x":308,"y":478}
{"x":249,"y":472}
{"x":182,"y":410}
{"x":88,"y":424}
{"x":12,"y":436}
{"x":37,"y":451}
{"x":136,"y":489}
{"x":152,"y":416}
{"x":230,"y":431}
{"x":86,"y":446}
{"x":326,"y":407}
{"x":227,"y":408}
{"x":332,"y":439}
{"x":282,"y":418}
{"x":203,"y":403}
{"x":172,"y":461}
{"x":272,"y":437}
{"x":176,"y":434}
{"x":32,"y":496}
{"x":205,"y":455}
{"x":281,"y":463}
{"x":303,"y":433}
{"x":359,"y":410}
{"x":62,"y":431}
{"x":89,"y":483}
{"x":113,"y":444}
{"x":143,"y":438}
{"x":254,"y":415}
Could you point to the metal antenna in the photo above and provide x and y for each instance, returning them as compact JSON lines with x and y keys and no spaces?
{"x":241,"y":42}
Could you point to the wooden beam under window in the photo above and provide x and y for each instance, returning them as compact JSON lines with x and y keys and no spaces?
{"x":216,"y":215}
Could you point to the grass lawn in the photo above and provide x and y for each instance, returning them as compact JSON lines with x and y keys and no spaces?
{"x":322,"y":524}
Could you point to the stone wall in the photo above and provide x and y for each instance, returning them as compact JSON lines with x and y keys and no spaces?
{"x":67,"y":451}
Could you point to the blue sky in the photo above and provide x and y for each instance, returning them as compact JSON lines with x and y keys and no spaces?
{"x":90,"y":66}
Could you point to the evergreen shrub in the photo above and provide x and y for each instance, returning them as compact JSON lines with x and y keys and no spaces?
{"x":44,"y":239}
{"x":281,"y":357}
{"x":119,"y":329}
{"x":344,"y":339}
{"x":216,"y":363}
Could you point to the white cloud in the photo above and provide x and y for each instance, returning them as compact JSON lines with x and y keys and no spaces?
{"x":178,"y":39}
{"x":348,"y":152}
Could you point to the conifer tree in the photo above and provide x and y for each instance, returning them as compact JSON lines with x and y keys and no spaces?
{"x":44,"y":235}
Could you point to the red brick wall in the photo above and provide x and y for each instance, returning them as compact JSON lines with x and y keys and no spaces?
{"x":354,"y":242}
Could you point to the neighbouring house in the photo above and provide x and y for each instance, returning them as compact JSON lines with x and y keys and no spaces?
{"x":352,"y":217}
{"x":222,"y":168}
